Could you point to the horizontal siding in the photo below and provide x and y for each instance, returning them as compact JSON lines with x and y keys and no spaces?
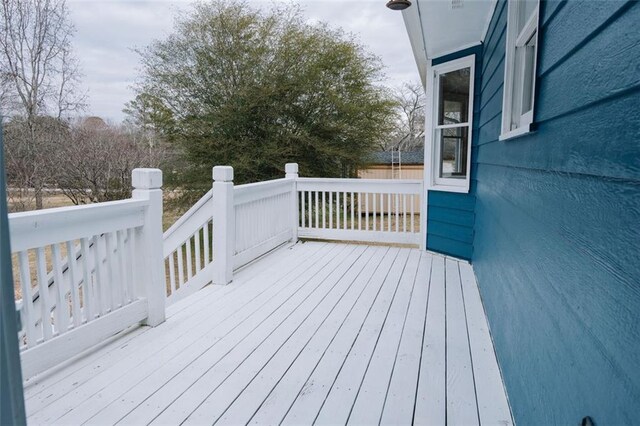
{"x":450,"y":228}
{"x":576,"y":28}
{"x":556,"y":235}
{"x":451,"y":247}
{"x":617,"y":48}
{"x":452,"y":200}
{"x":452,"y":216}
{"x":568,"y":147}
{"x":463,"y":234}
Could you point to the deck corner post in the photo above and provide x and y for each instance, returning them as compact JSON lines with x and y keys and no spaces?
{"x":147,"y":185}
{"x":223,"y":225}
{"x":424,"y":215}
{"x":291,"y":172}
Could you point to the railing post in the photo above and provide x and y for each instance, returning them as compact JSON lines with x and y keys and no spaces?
{"x":224,"y":227}
{"x":291,"y":172}
{"x":147,"y":184}
{"x":424,"y":212}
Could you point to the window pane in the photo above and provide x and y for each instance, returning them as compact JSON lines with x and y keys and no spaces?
{"x":454,"y":97}
{"x":525,"y":10}
{"x":529,"y":53}
{"x":453,"y":152}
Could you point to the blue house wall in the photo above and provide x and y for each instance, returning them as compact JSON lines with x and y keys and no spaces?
{"x":556,"y":234}
{"x":450,"y":215}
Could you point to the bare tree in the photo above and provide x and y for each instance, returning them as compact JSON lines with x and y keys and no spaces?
{"x":38,"y":76}
{"x":24,"y":165}
{"x":409,"y":131}
{"x":95,"y":164}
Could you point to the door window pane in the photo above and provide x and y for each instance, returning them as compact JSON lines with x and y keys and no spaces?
{"x":454,"y":97}
{"x":453,"y":152}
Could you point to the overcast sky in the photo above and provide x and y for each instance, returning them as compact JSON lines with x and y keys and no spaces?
{"x":108,"y":31}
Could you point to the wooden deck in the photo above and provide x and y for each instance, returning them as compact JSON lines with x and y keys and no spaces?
{"x":317,"y":332}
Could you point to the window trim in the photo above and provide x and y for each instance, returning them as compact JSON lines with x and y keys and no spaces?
{"x":512,"y":40}
{"x":432,"y":147}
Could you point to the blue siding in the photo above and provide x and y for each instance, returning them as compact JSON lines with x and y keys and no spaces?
{"x":556,"y":245}
{"x":450,"y":215}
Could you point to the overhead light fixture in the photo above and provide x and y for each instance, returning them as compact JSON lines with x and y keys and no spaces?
{"x":398,"y":4}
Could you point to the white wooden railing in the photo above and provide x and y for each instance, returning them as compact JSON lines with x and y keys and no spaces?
{"x":247,"y":221}
{"x":263,"y":217}
{"x":89,"y":272}
{"x":369,"y":210}
{"x":255,"y":219}
{"x":110,"y":281}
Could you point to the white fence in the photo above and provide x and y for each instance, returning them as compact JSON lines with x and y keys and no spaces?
{"x":87,"y":272}
{"x":369,"y":210}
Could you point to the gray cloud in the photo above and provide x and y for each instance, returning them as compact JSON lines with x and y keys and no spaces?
{"x":109,"y":31}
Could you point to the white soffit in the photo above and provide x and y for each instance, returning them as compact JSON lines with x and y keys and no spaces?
{"x":439,"y":27}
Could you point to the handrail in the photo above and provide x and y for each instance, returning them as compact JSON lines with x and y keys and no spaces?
{"x":380,"y":186}
{"x":70,"y":223}
{"x":188,"y":214}
{"x":251,"y":192}
{"x":358,"y":181}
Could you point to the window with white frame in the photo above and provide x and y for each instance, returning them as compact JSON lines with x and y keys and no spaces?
{"x":452,"y":120}
{"x":520,"y":67}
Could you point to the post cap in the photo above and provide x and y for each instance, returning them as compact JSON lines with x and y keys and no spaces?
{"x":146,"y":178}
{"x":223,"y":174}
{"x":291,"y":168}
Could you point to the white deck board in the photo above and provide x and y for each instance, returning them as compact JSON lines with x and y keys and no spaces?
{"x":273,"y":363}
{"x":302,"y":354}
{"x":401,"y":394}
{"x":237,"y":369}
{"x":179,"y":366}
{"x":316,"y":332}
{"x":430,"y":405}
{"x":310,"y":397}
{"x":214,"y":361}
{"x":369,"y":403}
{"x":461,"y":394}
{"x":493,"y":408}
{"x":337,"y":406}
